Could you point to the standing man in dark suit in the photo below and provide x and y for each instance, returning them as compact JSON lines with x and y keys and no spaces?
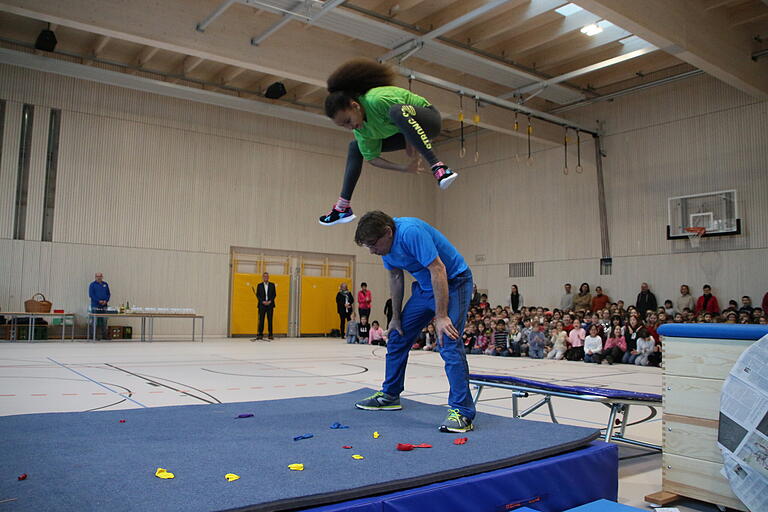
{"x":266,"y":293}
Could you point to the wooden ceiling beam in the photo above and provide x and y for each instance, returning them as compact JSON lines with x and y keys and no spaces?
{"x":702,"y":38}
{"x":537,"y":38}
{"x":301,"y":55}
{"x":501,"y":23}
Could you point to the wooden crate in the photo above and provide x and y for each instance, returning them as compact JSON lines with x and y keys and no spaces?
{"x":694,"y":373}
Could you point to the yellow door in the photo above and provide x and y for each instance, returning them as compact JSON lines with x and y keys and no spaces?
{"x":244,"y":316}
{"x":318,"y":303}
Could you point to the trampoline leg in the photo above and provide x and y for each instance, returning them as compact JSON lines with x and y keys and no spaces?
{"x":611,"y":420}
{"x":624,"y":419}
{"x":515,"y":409}
{"x":477,"y":394}
{"x":551,"y":409}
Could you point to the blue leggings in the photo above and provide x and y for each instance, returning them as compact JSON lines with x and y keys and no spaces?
{"x":417,"y":313}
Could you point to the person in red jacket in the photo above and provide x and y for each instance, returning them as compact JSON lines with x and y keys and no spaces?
{"x":364,"y":301}
{"x":708,"y":302}
{"x":599,"y":300}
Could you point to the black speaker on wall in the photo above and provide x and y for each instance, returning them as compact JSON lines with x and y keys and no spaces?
{"x":46,"y":41}
{"x":275,"y":91}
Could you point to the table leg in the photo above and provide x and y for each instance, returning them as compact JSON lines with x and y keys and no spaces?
{"x":193,"y":329}
{"x":202,"y":328}
{"x":143,"y":326}
{"x":29,"y":334}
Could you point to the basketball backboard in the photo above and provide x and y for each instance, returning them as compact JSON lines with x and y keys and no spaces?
{"x":717,"y":212}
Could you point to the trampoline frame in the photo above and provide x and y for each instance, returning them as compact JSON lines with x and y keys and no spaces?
{"x":616,"y":405}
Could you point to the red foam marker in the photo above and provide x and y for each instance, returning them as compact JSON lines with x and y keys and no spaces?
{"x":405,"y":447}
{"x":23,"y":476}
{"x":346,"y":447}
{"x":422,"y":445}
{"x":122,"y":421}
{"x":461,"y":440}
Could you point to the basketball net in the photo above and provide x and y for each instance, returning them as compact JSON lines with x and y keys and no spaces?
{"x":694,"y":235}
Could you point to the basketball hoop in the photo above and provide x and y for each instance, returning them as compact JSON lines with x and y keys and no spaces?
{"x":694,"y":235}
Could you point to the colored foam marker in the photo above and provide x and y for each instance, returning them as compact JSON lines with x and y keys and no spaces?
{"x":296,"y":467}
{"x":422,"y":445}
{"x":23,"y":476}
{"x":305,"y":436}
{"x":346,"y":447}
{"x":461,"y":440}
{"x":231,"y":477}
{"x":338,"y":425}
{"x":248,"y":415}
{"x":122,"y":421}
{"x":358,"y":457}
{"x":405,"y":447}
{"x":376,"y":435}
{"x":164,"y":474}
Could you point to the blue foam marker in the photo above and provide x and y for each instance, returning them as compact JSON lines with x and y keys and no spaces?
{"x":338,"y":425}
{"x":305,"y":436}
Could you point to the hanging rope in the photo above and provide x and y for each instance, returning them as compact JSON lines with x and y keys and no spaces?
{"x":517,"y":140}
{"x":579,"y":169}
{"x":476,"y":120}
{"x":565,"y":148}
{"x":529,"y":162}
{"x":463,"y":150}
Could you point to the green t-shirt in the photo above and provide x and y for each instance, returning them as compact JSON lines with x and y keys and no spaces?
{"x":377,"y":125}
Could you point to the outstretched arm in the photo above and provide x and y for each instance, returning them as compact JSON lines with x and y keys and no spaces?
{"x":411,"y":167}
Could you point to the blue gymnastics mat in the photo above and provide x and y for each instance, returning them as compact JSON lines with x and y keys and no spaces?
{"x":91,"y":461}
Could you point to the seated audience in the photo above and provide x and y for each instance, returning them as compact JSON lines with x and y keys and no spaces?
{"x":377,"y":336}
{"x":536,"y":341}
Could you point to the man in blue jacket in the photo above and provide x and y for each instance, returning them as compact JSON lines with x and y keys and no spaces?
{"x":442,"y":290}
{"x":98,"y":291}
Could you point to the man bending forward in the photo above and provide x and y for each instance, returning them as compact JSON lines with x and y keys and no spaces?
{"x":442,"y":290}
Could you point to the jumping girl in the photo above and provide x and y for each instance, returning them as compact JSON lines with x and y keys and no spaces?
{"x":383,"y":118}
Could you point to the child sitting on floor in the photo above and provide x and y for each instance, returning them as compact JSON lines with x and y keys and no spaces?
{"x":377,"y":336}
{"x":351,"y":333}
{"x":593,"y":345}
{"x":615,"y":346}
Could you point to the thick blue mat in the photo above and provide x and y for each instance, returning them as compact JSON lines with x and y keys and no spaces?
{"x":90,"y":461}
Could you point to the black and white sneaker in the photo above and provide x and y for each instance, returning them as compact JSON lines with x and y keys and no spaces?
{"x":444,"y":175}
{"x":455,"y":422}
{"x":337,"y":216}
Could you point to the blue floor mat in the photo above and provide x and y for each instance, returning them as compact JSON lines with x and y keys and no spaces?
{"x":91,"y":461}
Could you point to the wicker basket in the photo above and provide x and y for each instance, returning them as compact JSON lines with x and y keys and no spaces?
{"x":37,"y":306}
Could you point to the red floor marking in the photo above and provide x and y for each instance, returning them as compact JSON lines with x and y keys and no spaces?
{"x":298,"y":385}
{"x":70,"y":394}
{"x":252,"y":387}
{"x":98,"y":393}
{"x":233,"y":389}
{"x":279,"y":386}
{"x":155,"y":392}
{"x":209,"y":390}
{"x":7,"y":395}
{"x":38,"y":394}
{"x":321,"y":384}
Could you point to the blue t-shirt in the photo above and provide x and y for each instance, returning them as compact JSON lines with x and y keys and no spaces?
{"x":416,"y":245}
{"x":98,"y":291}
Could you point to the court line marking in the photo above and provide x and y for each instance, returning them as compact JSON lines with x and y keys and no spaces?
{"x":97,"y":383}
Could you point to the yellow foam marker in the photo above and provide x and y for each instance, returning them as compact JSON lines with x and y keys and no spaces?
{"x":231,"y":477}
{"x":296,"y":467}
{"x":376,"y":435}
{"x":162,"y":473}
{"x":358,"y":457}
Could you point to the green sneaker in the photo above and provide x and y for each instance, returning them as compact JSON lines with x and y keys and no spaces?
{"x":379,"y":402}
{"x":455,"y":422}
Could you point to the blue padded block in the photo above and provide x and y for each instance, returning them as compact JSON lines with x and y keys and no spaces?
{"x":604,"y":506}
{"x":715,"y":331}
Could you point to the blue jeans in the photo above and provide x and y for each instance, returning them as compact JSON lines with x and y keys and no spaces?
{"x":417,"y":313}
{"x":536,"y":352}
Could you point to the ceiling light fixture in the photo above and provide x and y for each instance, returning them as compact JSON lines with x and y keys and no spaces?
{"x":592,"y":29}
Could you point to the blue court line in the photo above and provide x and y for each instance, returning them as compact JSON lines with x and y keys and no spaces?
{"x":98,"y":383}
